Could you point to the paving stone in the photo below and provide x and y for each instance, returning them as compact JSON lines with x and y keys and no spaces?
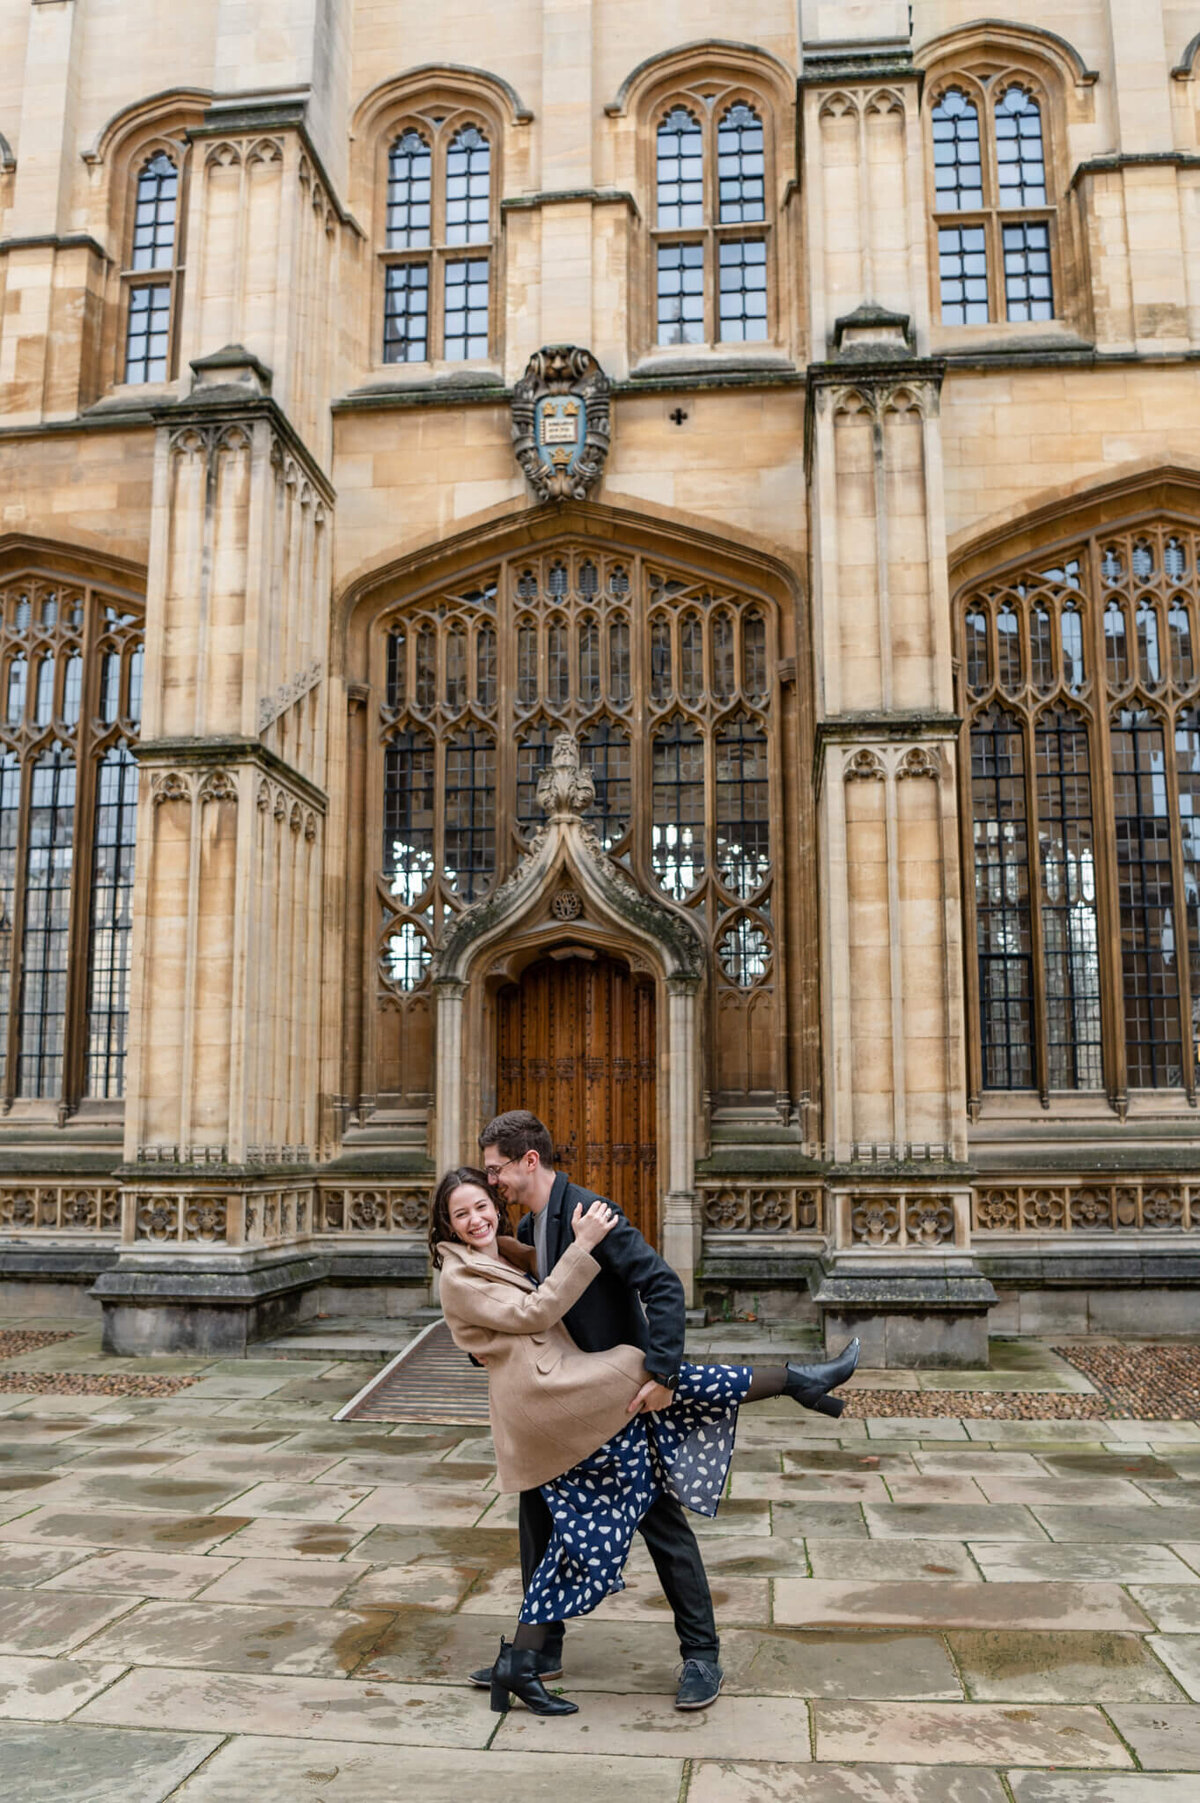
{"x":945,"y":1604}
{"x":739,"y":1728}
{"x":306,"y":1502}
{"x":754,"y":1557}
{"x":1173,"y":1608}
{"x":23,"y":1566}
{"x":142,"y":1574}
{"x":1103,"y":1787}
{"x":1004,"y":1666}
{"x":977,"y":1461}
{"x":284,"y":1537}
{"x":1110,"y":1464}
{"x":15,"y":1483}
{"x":935,"y":1487}
{"x":253,"y":1466}
{"x":850,"y":1459}
{"x":1090,"y":1491}
{"x":1164,"y":1738}
{"x":47,"y":1690}
{"x":423,"y":1648}
{"x":308,"y":1708}
{"x":949,"y":1521}
{"x":727,"y":1781}
{"x":403,"y":1470}
{"x":737,"y":1601}
{"x":808,"y":1486}
{"x":744,"y":1517}
{"x":312,"y":1583}
{"x":54,"y":1764}
{"x":890,"y":1559}
{"x":418,"y":1506}
{"x":487,"y":1550}
{"x":822,"y":1521}
{"x":46,"y":1622}
{"x":833,"y":1663}
{"x":1131,"y":1564}
{"x":966,"y":1734}
{"x":232,"y":1638}
{"x":1091,"y":1525}
{"x":419,"y":1586}
{"x":1180,"y":1653}
{"x":1188,"y":1551}
{"x":342,"y":1772}
{"x":1172,"y":1494}
{"x":191,"y":1533}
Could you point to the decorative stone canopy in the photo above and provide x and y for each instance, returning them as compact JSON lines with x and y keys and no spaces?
{"x":565,"y":843}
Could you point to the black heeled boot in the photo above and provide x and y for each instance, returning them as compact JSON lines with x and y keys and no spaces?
{"x":515,"y":1673}
{"x":809,"y":1385}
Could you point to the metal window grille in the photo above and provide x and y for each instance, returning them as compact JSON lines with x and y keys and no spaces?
{"x":1149,"y":929}
{"x":1070,"y":932}
{"x":957,"y":168}
{"x":46,"y":940}
{"x":1001,"y":858}
{"x":408,"y":815}
{"x":741,"y":166}
{"x":148,"y":333}
{"x":409,"y":192}
{"x":680,"y":170}
{"x":677,"y":848}
{"x":406,"y":313}
{"x":466,"y":309}
{"x":681,"y":294}
{"x":963,"y":275}
{"x":742,"y":290}
{"x":1028,"y":281}
{"x":1187,"y":768}
{"x":470,"y":813}
{"x":743,"y":815}
{"x":10,"y":814}
{"x":604,"y":748}
{"x":744,"y":953}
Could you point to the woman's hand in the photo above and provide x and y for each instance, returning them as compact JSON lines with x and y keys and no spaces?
{"x":590,"y":1228}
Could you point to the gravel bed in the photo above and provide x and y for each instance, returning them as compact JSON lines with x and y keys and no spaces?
{"x":1152,"y":1383}
{"x":15,"y":1340}
{"x":985,"y":1405}
{"x":86,"y":1383}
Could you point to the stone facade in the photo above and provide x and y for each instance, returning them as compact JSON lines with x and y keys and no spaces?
{"x":795,"y":407}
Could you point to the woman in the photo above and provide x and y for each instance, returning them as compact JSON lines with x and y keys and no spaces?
{"x":561,"y":1420}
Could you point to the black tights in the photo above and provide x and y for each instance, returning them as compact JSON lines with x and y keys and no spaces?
{"x":767,"y":1380}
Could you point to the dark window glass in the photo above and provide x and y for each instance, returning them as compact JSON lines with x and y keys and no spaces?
{"x":73,"y":689}
{"x":558,"y":663}
{"x":466,"y":310}
{"x":962,"y":273}
{"x":527,"y":665}
{"x":1146,"y":621}
{"x":741,"y":171}
{"x":112,"y":921}
{"x":957,"y":173}
{"x":485,"y":666}
{"x":978,"y":655}
{"x":397,"y":670}
{"x":1068,"y":902}
{"x":1179,"y":633}
{"x":1149,"y":930}
{"x":10,"y":815}
{"x":408,"y":781}
{"x":410,"y":189}
{"x":47,"y":922}
{"x":534,"y":750}
{"x":1008,"y":650}
{"x":406,"y":313}
{"x":1116,"y":644}
{"x":1002,"y":900}
{"x":1041,"y":647}
{"x":677,"y":829}
{"x":470,"y":833}
{"x":619,"y":676}
{"x":604,"y":748}
{"x":43,"y":703}
{"x":1028,"y":287}
{"x":742,"y":810}
{"x":691,"y":657}
{"x":680,"y":173}
{"x":589,"y":661}
{"x":468,"y":189}
{"x":744,"y":953}
{"x":754,"y":655}
{"x":148,"y":333}
{"x":1187,"y":766}
{"x":724,"y":676}
{"x":154,"y":214}
{"x":456,"y":668}
{"x":1020,"y":162}
{"x":742,"y":290}
{"x":660,"y":661}
{"x":1071,"y":631}
{"x":681,"y":294}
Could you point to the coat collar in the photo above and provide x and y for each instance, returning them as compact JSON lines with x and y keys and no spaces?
{"x":494,"y":1269}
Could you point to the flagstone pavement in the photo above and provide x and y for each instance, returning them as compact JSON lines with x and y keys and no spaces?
{"x":223,"y":1595}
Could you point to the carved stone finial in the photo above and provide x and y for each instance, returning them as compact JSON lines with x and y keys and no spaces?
{"x":565,"y":787}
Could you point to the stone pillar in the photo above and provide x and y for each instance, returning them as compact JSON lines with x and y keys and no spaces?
{"x":221,"y":1108}
{"x":681,"y":1227}
{"x":898,"y":1266}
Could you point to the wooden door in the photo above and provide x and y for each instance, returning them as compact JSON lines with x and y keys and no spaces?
{"x":577,"y":1046}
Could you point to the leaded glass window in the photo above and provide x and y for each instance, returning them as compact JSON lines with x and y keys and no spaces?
{"x":990,"y":164}
{"x":68,"y":797}
{"x":436,"y":301}
{"x":711,"y":276}
{"x":1088,"y":786}
{"x":149,"y":302}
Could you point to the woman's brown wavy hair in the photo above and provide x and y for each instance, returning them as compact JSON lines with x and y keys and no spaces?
{"x":439,"y":1213}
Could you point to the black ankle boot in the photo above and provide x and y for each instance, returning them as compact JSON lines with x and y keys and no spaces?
{"x":515,"y":1673}
{"x":809,"y":1385}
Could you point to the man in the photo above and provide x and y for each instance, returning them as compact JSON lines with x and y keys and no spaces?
{"x":636,"y":1300}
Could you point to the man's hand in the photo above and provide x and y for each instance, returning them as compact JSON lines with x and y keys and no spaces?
{"x":650,"y":1398}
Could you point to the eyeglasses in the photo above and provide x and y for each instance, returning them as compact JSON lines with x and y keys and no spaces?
{"x":492,"y":1171}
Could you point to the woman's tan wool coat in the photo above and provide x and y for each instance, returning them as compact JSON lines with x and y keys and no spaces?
{"x":551,"y":1404}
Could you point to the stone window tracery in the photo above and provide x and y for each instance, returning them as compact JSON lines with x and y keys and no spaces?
{"x":712,"y":245}
{"x":668,"y":684}
{"x":1085,"y":777}
{"x":994,"y":211}
{"x":68,"y":798}
{"x":438,"y":252}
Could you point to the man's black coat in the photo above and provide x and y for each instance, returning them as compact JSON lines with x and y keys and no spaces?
{"x":637,"y":1300}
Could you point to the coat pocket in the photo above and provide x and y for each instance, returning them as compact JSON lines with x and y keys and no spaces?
{"x":547,"y":1357}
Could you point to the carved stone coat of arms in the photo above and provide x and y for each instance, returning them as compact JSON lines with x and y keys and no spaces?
{"x":560,"y":422}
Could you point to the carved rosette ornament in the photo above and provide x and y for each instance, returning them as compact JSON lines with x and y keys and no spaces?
{"x":561,"y":422}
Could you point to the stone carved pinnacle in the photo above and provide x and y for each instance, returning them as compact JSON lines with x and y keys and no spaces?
{"x":565,"y":789}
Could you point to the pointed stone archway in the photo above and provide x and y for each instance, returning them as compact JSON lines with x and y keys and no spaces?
{"x":494,"y":937}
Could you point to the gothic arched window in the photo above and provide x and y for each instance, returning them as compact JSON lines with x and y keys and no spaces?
{"x":439,"y":240}
{"x":1085,"y":791}
{"x":994,"y":211}
{"x":68,"y":800}
{"x":711,"y":232}
{"x":153,"y":269}
{"x":668,"y":685}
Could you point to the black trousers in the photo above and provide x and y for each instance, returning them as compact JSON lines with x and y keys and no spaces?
{"x":665,"y":1529}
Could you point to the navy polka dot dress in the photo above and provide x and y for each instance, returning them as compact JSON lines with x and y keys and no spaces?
{"x":596,"y":1506}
